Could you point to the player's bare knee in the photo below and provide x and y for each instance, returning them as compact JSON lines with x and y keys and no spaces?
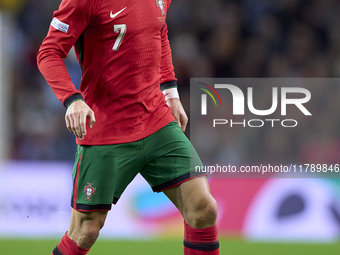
{"x":84,"y":228}
{"x":204,"y":213}
{"x":87,"y":238}
{"x":211,"y":212}
{"x":90,"y":236}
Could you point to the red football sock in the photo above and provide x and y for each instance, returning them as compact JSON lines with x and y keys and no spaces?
{"x":200,"y":241}
{"x":68,"y":247}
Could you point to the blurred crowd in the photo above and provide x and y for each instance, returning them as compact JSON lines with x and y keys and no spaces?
{"x":215,"y":38}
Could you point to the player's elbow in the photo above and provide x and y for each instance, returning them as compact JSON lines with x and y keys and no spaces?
{"x":39,"y":58}
{"x":41,"y":55}
{"x":46,"y":54}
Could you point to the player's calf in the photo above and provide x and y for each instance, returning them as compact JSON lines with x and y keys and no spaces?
{"x":83,"y":233}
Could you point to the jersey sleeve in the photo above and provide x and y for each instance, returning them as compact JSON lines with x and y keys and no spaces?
{"x":68,"y":23}
{"x":168,"y":78}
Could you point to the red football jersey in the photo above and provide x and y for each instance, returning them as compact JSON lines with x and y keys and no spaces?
{"x":124,"y":53}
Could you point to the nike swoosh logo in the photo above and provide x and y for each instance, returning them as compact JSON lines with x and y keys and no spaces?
{"x":114,"y":15}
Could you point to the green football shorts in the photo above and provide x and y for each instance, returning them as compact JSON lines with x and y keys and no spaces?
{"x":102,"y":172}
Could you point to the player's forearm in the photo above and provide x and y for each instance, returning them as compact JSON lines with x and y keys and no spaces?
{"x":168,"y":78}
{"x":52,"y":67}
{"x":68,"y":23}
{"x":166,"y":68}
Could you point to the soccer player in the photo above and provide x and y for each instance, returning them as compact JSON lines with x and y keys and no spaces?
{"x":125,"y":57}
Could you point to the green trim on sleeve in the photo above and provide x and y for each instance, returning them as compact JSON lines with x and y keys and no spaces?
{"x":169,"y":88}
{"x":74,"y":101}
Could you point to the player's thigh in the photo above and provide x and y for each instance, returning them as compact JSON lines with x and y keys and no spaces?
{"x":170,"y":158}
{"x":101,"y":173}
{"x":85,"y":222}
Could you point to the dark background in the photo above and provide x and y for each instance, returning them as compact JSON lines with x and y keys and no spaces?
{"x":215,"y":38}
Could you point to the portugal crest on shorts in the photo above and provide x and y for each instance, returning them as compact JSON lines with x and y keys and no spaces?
{"x":160,"y":5}
{"x":89,"y":191}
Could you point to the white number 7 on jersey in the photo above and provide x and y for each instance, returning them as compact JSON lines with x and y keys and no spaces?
{"x":121,"y":29}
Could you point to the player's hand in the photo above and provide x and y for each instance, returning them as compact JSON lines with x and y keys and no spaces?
{"x":75,"y":118}
{"x":178,"y":112}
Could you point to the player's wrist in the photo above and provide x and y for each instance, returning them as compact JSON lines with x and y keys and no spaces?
{"x":76,"y":100}
{"x":169,"y":90}
{"x":73,"y":98}
{"x":170,"y":93}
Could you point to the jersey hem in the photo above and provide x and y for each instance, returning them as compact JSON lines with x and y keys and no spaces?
{"x":162,"y":123}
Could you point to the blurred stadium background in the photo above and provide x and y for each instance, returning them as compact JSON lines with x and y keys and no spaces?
{"x":215,"y":38}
